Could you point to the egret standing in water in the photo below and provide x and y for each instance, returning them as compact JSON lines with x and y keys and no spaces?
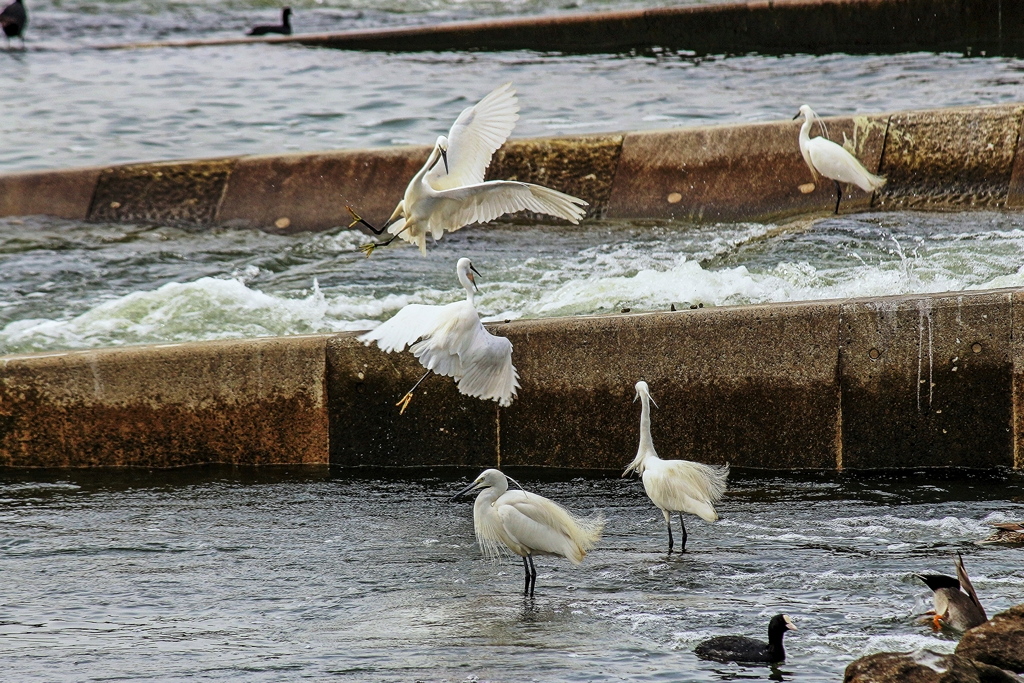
{"x":831,"y":160}
{"x":448,"y":196}
{"x":528,"y":525}
{"x":675,"y":485}
{"x":451,"y":341}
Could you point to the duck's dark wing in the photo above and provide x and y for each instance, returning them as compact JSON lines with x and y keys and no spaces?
{"x":264,"y":30}
{"x":965,"y":584}
{"x":733,"y":649}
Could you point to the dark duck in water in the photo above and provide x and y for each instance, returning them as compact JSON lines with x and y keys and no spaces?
{"x":14,"y":19}
{"x":285,"y":28}
{"x":747,"y":650}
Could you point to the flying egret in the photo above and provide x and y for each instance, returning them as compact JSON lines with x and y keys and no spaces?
{"x":958,"y":609}
{"x":448,"y":196}
{"x":831,"y":160}
{"x":748,"y":650}
{"x":527,"y":524}
{"x":450,"y":341}
{"x":675,"y":485}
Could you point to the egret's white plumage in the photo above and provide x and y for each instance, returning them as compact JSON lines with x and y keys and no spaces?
{"x":831,"y":160}
{"x":528,"y":524}
{"x":447,"y":196}
{"x":675,"y":485}
{"x":451,"y":341}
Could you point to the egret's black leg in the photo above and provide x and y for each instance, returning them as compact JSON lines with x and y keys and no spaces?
{"x":839,"y":195}
{"x":404,"y":403}
{"x":526,"y":570}
{"x":682,"y":546}
{"x":668,"y":518}
{"x":533,"y":574}
{"x":368,"y":248}
{"x":359,"y":219}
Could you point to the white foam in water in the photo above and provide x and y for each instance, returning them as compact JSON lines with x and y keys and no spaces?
{"x":269,"y":284}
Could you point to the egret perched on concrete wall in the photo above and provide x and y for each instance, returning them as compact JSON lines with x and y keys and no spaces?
{"x":447,"y":196}
{"x":675,"y":485}
{"x":527,"y":525}
{"x":450,"y":341}
{"x":831,"y":160}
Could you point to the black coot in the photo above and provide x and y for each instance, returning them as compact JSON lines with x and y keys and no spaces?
{"x":14,"y":19}
{"x":743,"y":649}
{"x":285,"y":28}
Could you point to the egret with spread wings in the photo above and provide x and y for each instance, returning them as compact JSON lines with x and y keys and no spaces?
{"x":527,"y":525}
{"x":451,"y":341}
{"x":449,"y":192}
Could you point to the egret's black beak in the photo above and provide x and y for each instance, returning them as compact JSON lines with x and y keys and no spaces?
{"x":464,"y":491}
{"x":473,"y":279}
{"x":797,"y":116}
{"x":444,"y":156}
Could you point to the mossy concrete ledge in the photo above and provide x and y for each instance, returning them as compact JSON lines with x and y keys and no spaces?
{"x":257,"y":402}
{"x":944,"y":158}
{"x":898,"y":382}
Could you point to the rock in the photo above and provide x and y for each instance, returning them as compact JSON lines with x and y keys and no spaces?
{"x":999,"y":641}
{"x":923,"y":666}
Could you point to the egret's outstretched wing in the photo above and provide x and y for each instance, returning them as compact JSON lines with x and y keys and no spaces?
{"x":478,"y":132}
{"x":488,"y":372}
{"x":486,"y":201}
{"x":405,"y":327}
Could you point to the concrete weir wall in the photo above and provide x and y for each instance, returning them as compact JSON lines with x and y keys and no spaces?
{"x":943,"y":158}
{"x":904,"y":382}
{"x":767,"y":26}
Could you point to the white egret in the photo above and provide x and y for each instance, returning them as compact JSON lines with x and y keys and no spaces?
{"x":675,"y":485}
{"x":446,"y":198}
{"x":451,"y":341}
{"x":831,"y":160}
{"x":956,"y":608}
{"x":527,"y":525}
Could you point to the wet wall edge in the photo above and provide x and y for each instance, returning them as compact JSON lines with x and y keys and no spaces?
{"x":763,"y":26}
{"x":904,"y":383}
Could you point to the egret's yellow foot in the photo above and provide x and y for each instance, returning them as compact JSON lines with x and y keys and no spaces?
{"x":356,"y":217}
{"x":936,"y":622}
{"x":404,"y":403}
{"x":368,"y":248}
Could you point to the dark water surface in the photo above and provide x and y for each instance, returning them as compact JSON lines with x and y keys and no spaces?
{"x":281,"y":575}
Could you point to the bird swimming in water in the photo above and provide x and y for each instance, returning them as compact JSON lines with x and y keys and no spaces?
{"x":955,"y":608}
{"x":285,"y":28}
{"x":675,"y":485}
{"x":1006,"y":533}
{"x":13,"y":20}
{"x":831,"y":160}
{"x":444,"y":197}
{"x":451,"y":341}
{"x":527,"y":525}
{"x":747,"y":650}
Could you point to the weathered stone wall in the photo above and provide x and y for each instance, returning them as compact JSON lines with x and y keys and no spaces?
{"x":946,"y":158}
{"x":896,"y":382}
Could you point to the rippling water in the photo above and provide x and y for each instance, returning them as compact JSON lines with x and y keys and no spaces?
{"x":69,"y":285}
{"x":263,"y":576}
{"x":66,"y":105}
